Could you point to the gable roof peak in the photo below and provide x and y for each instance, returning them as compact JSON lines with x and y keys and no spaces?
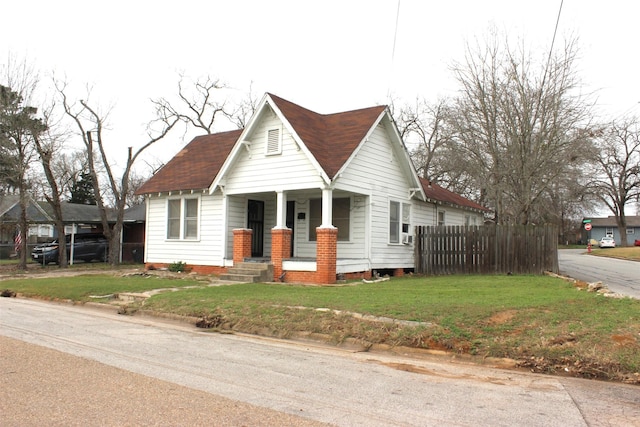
{"x":330,"y":138}
{"x":278,"y":100}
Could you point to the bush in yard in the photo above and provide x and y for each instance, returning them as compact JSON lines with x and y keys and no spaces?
{"x":178,"y":267}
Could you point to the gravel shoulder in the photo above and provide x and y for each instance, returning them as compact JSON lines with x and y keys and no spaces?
{"x":40,"y":386}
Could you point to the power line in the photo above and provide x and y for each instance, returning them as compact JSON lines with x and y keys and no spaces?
{"x":393,"y":53}
{"x":553,"y":41}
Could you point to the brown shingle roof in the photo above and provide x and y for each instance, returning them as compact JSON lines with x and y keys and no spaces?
{"x":195,"y":166}
{"x":331,"y":138}
{"x":435,"y":192}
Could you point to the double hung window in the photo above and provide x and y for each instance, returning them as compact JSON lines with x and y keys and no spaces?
{"x":182,"y":218}
{"x":399,"y":221}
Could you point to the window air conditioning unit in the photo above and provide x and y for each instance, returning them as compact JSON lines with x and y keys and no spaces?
{"x":407,"y":239}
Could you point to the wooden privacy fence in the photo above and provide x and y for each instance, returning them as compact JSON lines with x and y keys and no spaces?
{"x":486,"y":249}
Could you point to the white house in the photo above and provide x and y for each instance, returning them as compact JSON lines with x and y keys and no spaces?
{"x":316,"y":195}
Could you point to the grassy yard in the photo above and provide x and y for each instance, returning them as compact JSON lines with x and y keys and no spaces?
{"x":544,"y":323}
{"x":631,"y":253}
{"x":85,"y":288}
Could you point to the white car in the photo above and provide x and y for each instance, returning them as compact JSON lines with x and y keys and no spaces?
{"x":607,"y":242}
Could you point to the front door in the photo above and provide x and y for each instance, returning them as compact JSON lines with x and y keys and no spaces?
{"x":291,"y":221}
{"x":255,"y":222}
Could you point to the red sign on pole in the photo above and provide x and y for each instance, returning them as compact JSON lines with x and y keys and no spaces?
{"x":587,"y":226}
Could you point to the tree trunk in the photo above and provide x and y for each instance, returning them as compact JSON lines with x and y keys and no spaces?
{"x":23,"y":225}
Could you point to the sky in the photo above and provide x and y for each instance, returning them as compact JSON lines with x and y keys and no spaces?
{"x":328,"y":56}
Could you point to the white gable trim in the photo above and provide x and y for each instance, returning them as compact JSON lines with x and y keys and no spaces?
{"x":360,"y":144}
{"x":399,"y":148}
{"x":298,"y":140}
{"x":265,"y":104}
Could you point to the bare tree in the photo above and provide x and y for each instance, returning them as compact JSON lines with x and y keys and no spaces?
{"x":198,"y":105}
{"x":67,"y":164}
{"x":422,"y":128}
{"x":201,"y":103}
{"x":515,"y":125}
{"x":48,"y":144}
{"x":617,"y":179}
{"x":19,"y":126}
{"x":244,"y":110}
{"x":91,"y":126}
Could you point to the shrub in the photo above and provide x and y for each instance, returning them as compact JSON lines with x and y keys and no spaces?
{"x":178,"y":267}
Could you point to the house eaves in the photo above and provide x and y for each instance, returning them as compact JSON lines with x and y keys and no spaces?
{"x":440,"y":195}
{"x":194,"y":168}
{"x":329,"y":139}
{"x":269,"y":103}
{"x":610,"y":221}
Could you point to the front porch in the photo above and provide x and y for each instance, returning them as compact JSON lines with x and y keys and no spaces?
{"x":301,"y":232}
{"x":323,"y":269}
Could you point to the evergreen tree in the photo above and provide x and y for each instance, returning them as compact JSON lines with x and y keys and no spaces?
{"x":83,"y":190}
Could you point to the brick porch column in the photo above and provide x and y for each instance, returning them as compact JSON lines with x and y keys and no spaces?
{"x":241,"y":244}
{"x":280,"y":249}
{"x":326,"y":254}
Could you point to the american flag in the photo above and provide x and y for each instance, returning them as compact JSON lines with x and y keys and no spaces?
{"x":17,"y":241}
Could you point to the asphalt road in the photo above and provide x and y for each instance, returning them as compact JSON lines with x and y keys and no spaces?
{"x":249,"y":375}
{"x":620,"y":276}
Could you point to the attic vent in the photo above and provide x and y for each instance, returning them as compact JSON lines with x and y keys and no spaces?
{"x":274,"y":145}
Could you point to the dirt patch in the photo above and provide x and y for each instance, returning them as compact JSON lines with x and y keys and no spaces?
{"x":624,"y":340}
{"x":502,"y":317}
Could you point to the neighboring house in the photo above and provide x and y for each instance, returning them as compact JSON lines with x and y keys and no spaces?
{"x":78,"y":218}
{"x":601,"y":227}
{"x":9,"y":217}
{"x":133,"y":234}
{"x":315,"y":195}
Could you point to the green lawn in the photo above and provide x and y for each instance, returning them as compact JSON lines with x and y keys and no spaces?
{"x":542,"y":322}
{"x":82,"y":288}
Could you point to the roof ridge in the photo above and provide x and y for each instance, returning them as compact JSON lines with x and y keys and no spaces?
{"x":355,"y":110}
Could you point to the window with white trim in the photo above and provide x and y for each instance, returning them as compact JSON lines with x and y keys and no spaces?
{"x":470,"y":220}
{"x":182,"y":218}
{"x":631,"y":231}
{"x":274,"y":141}
{"x":399,"y":221}
{"x":441,"y":217}
{"x":340,"y":217}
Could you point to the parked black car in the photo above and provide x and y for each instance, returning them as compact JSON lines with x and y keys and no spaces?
{"x":86,"y":247}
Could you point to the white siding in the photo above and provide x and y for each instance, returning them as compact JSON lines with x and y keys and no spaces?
{"x":375,"y":177}
{"x":376,"y":171}
{"x":207,"y":250}
{"x":423,"y":213}
{"x":254,"y":171}
{"x":236,"y":218}
{"x":354,"y":248}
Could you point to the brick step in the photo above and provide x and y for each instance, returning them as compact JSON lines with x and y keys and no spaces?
{"x":245,"y":278}
{"x":251,"y":272}
{"x":254,"y":265}
{"x":238,"y":270}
